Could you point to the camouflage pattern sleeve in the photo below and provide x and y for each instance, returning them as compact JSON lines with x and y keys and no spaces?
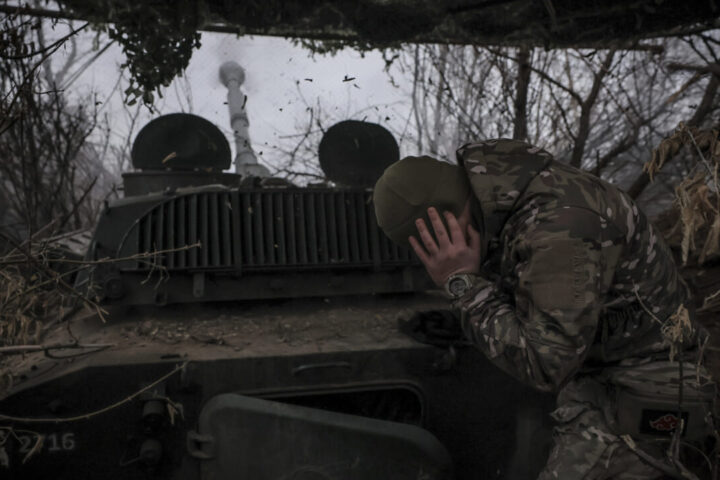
{"x":542,"y":331}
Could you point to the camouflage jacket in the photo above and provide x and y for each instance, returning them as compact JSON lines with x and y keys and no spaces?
{"x":573,"y":273}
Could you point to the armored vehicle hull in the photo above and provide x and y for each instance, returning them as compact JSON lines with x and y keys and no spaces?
{"x":338,"y":393}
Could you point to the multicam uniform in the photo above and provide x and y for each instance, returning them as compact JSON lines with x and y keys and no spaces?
{"x":575,"y":284}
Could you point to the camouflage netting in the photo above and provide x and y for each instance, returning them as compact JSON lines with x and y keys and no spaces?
{"x":158,"y":37}
{"x":692,"y":225}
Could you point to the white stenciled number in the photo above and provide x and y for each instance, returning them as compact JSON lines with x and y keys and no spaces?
{"x":68,"y":441}
{"x":52,"y":442}
{"x":58,"y":442}
{"x":26,"y":441}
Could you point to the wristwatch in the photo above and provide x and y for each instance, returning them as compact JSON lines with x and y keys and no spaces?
{"x":456,"y":285}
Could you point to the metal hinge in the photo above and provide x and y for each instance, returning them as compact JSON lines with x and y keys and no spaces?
{"x":201,"y":446}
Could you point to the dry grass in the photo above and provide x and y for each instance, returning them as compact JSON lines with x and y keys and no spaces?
{"x":34,"y":292}
{"x":697,"y":227}
{"x":36,"y":288}
{"x":693,"y":226}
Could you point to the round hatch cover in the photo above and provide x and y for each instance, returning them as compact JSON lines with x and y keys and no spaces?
{"x":181,"y":141}
{"x":356,"y":153}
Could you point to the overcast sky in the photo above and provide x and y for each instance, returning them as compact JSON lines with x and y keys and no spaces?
{"x":276,"y":101}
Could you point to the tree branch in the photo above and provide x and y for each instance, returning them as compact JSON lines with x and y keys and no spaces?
{"x":520,"y":131}
{"x":586,"y":109}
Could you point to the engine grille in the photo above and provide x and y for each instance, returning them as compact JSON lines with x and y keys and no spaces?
{"x":265,"y":229}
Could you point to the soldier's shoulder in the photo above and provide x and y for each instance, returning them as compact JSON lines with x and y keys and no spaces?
{"x":498,"y":146}
{"x":502,"y":156}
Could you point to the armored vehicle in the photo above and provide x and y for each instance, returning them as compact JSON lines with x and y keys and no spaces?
{"x":249,"y":329}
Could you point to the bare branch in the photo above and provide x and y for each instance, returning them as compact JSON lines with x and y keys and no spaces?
{"x":586,"y":109}
{"x":708,"y":68}
{"x":521,"y":94}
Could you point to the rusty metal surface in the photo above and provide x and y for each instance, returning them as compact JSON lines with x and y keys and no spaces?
{"x":228,"y":331}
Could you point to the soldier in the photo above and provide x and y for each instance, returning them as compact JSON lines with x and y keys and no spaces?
{"x":564,"y":284}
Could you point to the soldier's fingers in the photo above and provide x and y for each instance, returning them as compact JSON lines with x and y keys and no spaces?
{"x":439,"y":228}
{"x":456,"y":234}
{"x":419,"y":250}
{"x":474,"y":238}
{"x":425,"y":236}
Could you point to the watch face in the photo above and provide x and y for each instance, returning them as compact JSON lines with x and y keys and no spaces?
{"x":457,"y":286}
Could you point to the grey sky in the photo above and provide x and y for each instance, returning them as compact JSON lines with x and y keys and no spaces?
{"x":276,"y":101}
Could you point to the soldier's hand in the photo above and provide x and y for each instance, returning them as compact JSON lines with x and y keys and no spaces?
{"x":454,"y":252}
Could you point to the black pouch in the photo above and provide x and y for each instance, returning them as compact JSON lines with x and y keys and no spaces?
{"x":647,"y":400}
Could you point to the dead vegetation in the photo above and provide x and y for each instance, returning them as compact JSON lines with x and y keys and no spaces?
{"x":35,"y":292}
{"x":692,"y":225}
{"x":696,"y":212}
